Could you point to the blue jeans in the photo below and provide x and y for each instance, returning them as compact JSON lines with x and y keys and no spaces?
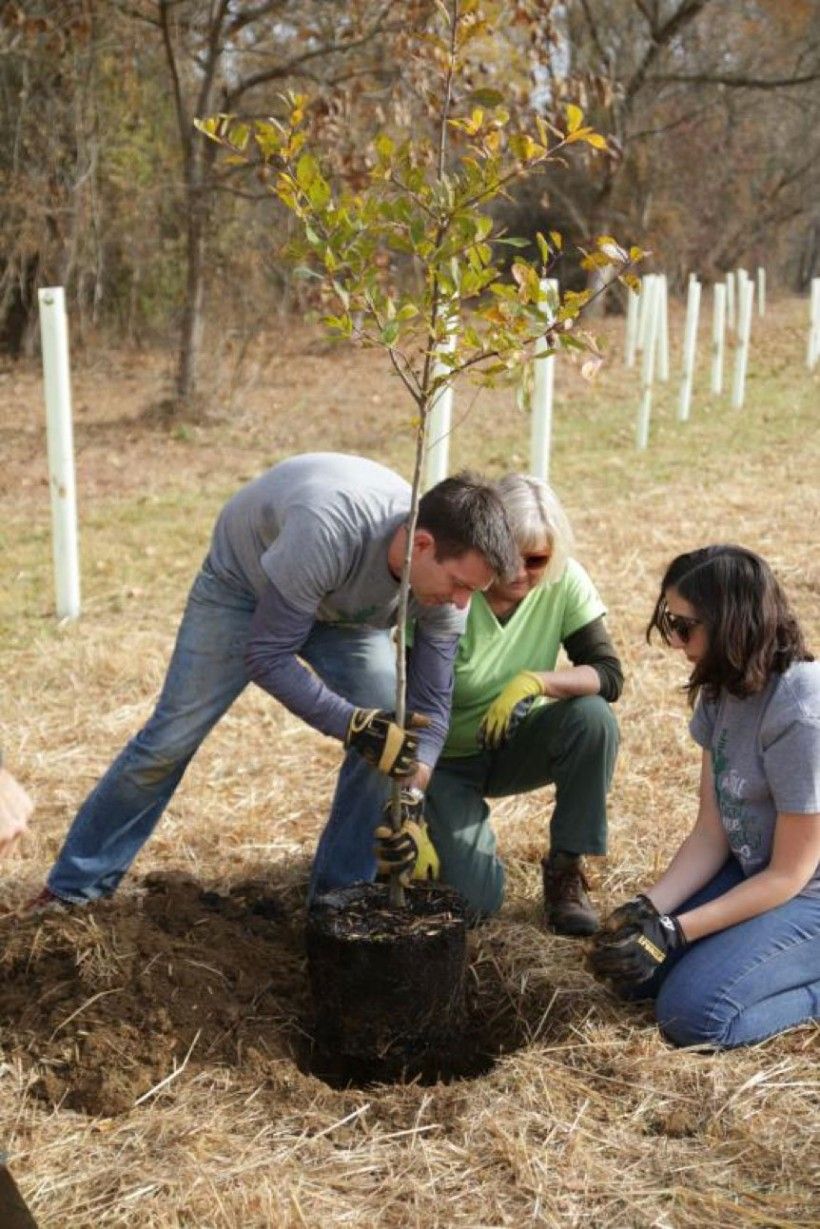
{"x":206,"y":674}
{"x":744,"y":983}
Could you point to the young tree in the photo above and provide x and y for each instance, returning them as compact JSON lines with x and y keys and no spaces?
{"x":425,"y":203}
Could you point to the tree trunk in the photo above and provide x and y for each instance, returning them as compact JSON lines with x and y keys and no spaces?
{"x":192,"y":320}
{"x":809,"y":258}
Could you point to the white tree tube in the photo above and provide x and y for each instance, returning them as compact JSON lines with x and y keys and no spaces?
{"x":690,"y":341}
{"x":662,"y":326}
{"x":744,"y":329}
{"x":718,"y":335}
{"x":57,"y":389}
{"x":647,"y":369}
{"x":644,"y":304}
{"x":633,"y":304}
{"x":761,"y":291}
{"x":439,"y":424}
{"x":731,"y":317}
{"x":813,"y":347}
{"x":543,"y":384}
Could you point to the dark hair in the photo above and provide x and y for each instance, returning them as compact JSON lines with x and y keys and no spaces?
{"x":464,"y":513}
{"x":752,"y":632}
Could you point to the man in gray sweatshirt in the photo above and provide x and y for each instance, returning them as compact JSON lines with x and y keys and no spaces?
{"x":297,"y":594}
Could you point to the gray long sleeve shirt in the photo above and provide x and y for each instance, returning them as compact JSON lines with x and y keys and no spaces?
{"x":309,"y":538}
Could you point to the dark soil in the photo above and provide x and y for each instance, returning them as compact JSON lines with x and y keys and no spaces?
{"x":101,"y":1004}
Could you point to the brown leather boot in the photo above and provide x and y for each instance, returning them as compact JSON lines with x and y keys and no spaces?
{"x":567,"y":906}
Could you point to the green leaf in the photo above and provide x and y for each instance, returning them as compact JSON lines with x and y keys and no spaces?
{"x":390,"y":332}
{"x":486,"y":97}
{"x":307,"y":171}
{"x":342,"y":293}
{"x":319,"y":193}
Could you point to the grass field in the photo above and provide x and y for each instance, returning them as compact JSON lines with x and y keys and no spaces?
{"x":588,"y":1118}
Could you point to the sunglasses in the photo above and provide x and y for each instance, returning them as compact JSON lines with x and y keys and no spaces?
{"x":680,"y":626}
{"x":534,"y":563}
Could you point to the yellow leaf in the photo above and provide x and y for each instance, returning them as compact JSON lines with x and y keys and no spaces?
{"x":580,"y":134}
{"x":596,"y":141}
{"x":556,"y":239}
{"x":575,"y":117}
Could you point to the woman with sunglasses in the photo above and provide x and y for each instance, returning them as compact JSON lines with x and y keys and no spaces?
{"x":517,"y":723}
{"x":727,"y":941}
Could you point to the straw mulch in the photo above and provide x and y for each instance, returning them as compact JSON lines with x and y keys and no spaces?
{"x":155,"y":1047}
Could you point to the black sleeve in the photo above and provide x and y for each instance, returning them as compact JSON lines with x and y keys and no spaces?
{"x":591,"y":646}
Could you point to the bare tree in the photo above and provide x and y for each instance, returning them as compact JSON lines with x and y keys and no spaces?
{"x":713,"y":114}
{"x":235,"y":56}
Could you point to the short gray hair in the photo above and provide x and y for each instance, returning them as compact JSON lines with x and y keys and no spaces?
{"x":537,"y":519}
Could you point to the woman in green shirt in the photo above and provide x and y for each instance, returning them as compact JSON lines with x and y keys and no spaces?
{"x":518,"y":723}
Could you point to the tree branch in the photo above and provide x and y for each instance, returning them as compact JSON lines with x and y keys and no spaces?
{"x":215,"y":47}
{"x":593,"y":31}
{"x":289,"y":67}
{"x":183,"y":119}
{"x":734,"y":82}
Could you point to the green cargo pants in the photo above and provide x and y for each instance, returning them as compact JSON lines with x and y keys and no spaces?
{"x":572,"y":744}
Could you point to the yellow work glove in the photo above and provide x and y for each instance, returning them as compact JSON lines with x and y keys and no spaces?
{"x":409,"y":851}
{"x":389,"y":747}
{"x":508,"y":709}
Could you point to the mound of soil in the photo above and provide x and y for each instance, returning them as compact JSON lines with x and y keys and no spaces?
{"x":104,"y":1002}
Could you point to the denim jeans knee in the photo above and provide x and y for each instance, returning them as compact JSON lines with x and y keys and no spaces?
{"x":747,"y":982}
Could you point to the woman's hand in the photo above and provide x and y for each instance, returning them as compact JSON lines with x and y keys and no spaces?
{"x":508,"y":708}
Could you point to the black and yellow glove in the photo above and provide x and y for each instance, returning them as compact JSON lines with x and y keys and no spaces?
{"x":389,"y":747}
{"x":630,"y":913}
{"x":508,"y":709}
{"x":634,"y":953}
{"x":409,"y":851}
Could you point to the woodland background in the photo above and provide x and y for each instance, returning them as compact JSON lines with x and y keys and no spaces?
{"x":711,"y":108}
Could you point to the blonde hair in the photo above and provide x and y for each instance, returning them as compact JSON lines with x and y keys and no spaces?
{"x":537,"y":520}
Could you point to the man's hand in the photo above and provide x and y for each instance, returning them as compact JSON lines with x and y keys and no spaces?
{"x":15,"y":811}
{"x":508,"y":709}
{"x":409,"y":851}
{"x":631,"y":913}
{"x":634,"y":953}
{"x":389,"y":747}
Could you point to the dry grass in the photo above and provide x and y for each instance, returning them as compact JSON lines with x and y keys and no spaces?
{"x":589,"y":1118}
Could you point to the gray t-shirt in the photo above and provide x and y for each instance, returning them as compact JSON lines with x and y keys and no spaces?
{"x":766,"y":760}
{"x":318,"y":527}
